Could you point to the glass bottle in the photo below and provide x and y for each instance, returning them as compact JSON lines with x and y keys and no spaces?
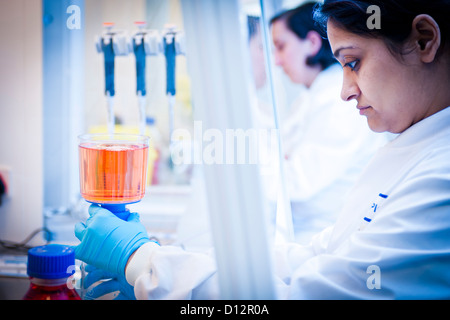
{"x":49,"y":268}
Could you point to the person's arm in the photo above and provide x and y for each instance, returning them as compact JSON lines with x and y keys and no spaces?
{"x":169,"y":272}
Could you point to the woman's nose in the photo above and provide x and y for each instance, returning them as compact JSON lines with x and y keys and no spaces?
{"x":276,"y":58}
{"x":350,"y":89}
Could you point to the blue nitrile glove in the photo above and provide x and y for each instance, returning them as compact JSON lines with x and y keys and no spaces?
{"x":107,"y":241}
{"x":110,"y":283}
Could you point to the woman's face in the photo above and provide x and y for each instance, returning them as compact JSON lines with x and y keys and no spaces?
{"x":291,"y":52}
{"x":391,"y":93}
{"x":257,"y":59}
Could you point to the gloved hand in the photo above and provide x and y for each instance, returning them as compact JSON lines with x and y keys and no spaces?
{"x":110,"y":283}
{"x":107,"y":241}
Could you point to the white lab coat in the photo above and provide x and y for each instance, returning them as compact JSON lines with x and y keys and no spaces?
{"x":326,"y":145}
{"x":391,"y":240}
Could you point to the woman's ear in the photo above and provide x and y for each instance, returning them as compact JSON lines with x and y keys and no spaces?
{"x":316,"y":42}
{"x":427,"y":37}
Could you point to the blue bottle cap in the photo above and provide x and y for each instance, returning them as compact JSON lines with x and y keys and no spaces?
{"x":51,"y":261}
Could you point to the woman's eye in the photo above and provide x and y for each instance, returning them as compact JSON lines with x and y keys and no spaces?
{"x":352,"y":65}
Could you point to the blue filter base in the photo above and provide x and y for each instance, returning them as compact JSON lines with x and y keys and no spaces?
{"x":119,"y":209}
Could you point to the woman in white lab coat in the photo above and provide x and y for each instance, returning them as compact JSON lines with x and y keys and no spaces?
{"x":392,"y":238}
{"x":326,"y":144}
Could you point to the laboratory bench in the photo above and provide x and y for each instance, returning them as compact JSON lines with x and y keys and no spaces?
{"x":14,"y":281}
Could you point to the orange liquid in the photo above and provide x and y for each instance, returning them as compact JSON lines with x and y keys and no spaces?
{"x":113,"y":173}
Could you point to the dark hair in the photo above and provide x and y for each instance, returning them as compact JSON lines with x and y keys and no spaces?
{"x":253,"y":26}
{"x":396,"y":18}
{"x":300,"y":21}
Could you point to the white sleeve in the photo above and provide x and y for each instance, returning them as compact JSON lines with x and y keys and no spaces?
{"x":169,"y":272}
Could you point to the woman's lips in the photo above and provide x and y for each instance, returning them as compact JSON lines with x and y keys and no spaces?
{"x":363,"y":109}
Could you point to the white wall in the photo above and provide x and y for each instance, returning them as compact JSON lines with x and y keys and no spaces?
{"x":21,"y":142}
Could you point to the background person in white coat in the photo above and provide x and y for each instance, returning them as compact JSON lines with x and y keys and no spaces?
{"x":392,"y":238}
{"x":326,"y":144}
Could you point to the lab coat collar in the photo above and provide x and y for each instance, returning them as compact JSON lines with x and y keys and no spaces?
{"x":426,"y":128}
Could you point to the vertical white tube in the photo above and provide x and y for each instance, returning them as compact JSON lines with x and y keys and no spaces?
{"x":171,"y":114}
{"x":142,"y":115}
{"x":284,"y":225}
{"x":110,"y":106}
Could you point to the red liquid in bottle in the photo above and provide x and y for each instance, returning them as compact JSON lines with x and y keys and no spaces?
{"x":50,"y":292}
{"x":113,"y":173}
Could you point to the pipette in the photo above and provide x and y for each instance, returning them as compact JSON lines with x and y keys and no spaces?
{"x":173,"y":46}
{"x":143,"y":43}
{"x":112,"y":43}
